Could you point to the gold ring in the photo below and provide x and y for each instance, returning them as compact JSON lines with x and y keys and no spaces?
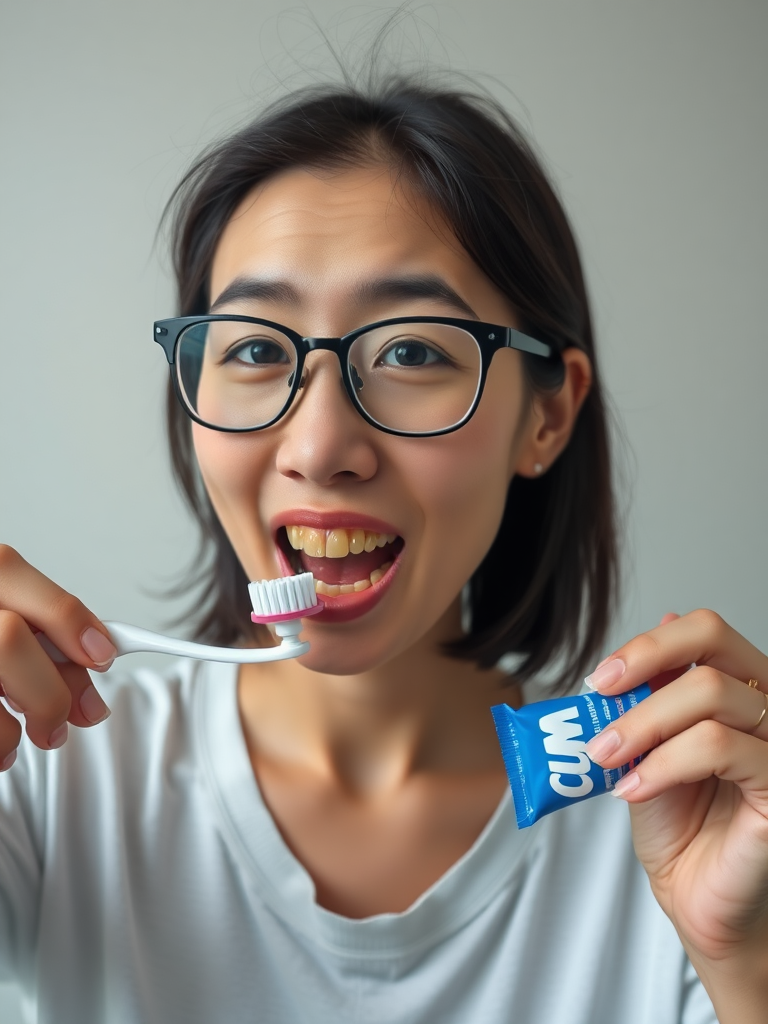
{"x":752,"y":684}
{"x":762,"y":714}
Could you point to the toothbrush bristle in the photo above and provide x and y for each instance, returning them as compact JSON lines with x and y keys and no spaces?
{"x":280,"y":597}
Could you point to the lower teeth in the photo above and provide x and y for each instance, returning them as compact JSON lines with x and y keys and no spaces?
{"x":334,"y":589}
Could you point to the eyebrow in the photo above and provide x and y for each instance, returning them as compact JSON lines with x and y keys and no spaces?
{"x":407,"y":286}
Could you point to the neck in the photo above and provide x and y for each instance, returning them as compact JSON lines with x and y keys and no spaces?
{"x":419,"y":713}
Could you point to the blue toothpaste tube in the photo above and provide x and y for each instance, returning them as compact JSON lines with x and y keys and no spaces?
{"x":543,"y":747}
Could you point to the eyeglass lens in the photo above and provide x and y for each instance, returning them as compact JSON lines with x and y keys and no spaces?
{"x":412,"y":377}
{"x":235,"y":375}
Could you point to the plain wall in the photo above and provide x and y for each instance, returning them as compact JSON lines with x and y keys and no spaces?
{"x":652,"y":118}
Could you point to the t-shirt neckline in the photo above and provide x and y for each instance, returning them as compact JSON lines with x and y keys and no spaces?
{"x":278,"y":879}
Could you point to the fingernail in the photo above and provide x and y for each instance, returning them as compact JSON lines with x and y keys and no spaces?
{"x":58,"y":737}
{"x":606,"y":674}
{"x":12,"y":704}
{"x":92,"y":706}
{"x":603,"y":745}
{"x":8,"y":761}
{"x":100,"y":650}
{"x":626,"y":785}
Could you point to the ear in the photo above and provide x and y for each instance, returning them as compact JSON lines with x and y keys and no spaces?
{"x":552,"y":417}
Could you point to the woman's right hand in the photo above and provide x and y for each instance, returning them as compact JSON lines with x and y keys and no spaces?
{"x":48,"y":694}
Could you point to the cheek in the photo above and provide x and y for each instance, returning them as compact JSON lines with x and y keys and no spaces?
{"x":228,"y":463}
{"x":233,"y":468}
{"x":463,"y":478}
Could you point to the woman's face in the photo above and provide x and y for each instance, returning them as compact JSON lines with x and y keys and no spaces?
{"x":323,"y":253}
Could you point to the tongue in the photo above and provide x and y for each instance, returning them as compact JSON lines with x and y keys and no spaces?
{"x":349,"y":569}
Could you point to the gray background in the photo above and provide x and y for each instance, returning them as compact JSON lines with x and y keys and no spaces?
{"x":652,"y":117}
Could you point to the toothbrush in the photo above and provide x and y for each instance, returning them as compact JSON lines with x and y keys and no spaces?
{"x":284,"y":602}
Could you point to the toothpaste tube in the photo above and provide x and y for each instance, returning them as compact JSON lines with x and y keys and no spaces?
{"x":543,"y":747}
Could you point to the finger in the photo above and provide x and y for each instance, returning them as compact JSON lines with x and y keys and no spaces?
{"x":701,"y":694}
{"x":707,"y":749}
{"x":65,"y":620}
{"x":87,"y":707}
{"x":31,"y":681}
{"x":667,"y":617}
{"x":664,"y":678}
{"x":702,"y":637}
{"x":10,"y":735}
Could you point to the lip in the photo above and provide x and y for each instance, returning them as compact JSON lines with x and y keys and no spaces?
{"x":328,"y":520}
{"x":345,"y":607}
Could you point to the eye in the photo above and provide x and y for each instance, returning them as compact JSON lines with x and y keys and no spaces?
{"x":408,"y":353}
{"x":258,"y":352}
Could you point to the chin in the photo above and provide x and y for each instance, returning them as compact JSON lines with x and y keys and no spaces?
{"x":334,"y":657}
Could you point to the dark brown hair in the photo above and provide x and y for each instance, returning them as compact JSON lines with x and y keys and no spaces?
{"x":545,"y":590}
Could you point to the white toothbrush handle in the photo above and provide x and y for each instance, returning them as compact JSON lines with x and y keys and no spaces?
{"x":132,"y":639}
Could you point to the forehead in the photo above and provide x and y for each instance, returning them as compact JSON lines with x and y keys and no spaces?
{"x":328,"y":230}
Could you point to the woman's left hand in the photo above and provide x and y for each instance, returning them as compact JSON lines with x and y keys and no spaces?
{"x":699,"y":800}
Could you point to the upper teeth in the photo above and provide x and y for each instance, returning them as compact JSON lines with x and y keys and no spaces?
{"x":335,"y":543}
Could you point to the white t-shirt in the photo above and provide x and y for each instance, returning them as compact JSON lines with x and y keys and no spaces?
{"x":142,"y":879}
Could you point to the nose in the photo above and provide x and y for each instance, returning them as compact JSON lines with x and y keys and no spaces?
{"x":323,"y":438}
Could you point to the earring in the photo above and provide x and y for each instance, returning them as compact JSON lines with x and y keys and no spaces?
{"x":537,"y":468}
{"x":466,"y":611}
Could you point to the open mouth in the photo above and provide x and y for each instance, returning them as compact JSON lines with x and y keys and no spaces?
{"x":342,"y":560}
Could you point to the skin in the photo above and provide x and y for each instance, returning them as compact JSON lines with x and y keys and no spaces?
{"x":374,"y":752}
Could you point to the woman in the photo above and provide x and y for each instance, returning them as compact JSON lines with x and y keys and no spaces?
{"x":332,"y":838}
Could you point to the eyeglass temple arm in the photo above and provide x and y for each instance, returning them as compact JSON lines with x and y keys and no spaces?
{"x":525,"y":343}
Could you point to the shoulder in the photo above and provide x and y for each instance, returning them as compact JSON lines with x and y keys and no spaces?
{"x":151,"y":727}
{"x":148,"y":708}
{"x":140,"y":767}
{"x":145,"y":695}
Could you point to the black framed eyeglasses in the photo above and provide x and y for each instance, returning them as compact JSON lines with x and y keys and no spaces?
{"x":412,"y":376}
